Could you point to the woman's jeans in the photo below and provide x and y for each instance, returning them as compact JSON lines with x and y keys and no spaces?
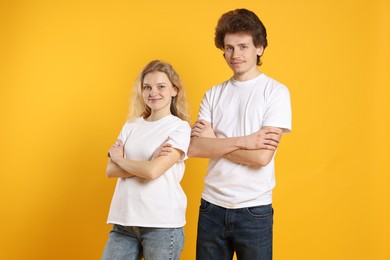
{"x":131,"y":243}
{"x":246,"y":231}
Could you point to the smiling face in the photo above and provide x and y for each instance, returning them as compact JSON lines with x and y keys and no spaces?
{"x":157,"y":93}
{"x":241,"y":55}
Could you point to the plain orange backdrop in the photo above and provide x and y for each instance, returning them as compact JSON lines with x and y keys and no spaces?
{"x":66,"y":73}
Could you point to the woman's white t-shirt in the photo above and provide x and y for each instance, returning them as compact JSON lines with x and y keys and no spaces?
{"x":160,"y":202}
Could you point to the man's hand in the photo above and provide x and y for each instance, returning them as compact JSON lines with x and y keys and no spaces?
{"x":266,"y":138}
{"x":163,"y":150}
{"x":202,"y":128}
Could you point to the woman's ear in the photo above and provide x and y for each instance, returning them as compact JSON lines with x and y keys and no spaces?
{"x":175,"y":91}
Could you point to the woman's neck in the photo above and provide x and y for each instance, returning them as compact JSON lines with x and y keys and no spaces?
{"x":156,"y":116}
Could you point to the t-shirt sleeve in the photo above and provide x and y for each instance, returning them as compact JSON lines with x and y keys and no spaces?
{"x":278,"y":112}
{"x":180,"y":138}
{"x":205,"y":108}
{"x":125,"y":132}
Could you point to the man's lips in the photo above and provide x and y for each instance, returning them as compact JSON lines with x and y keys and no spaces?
{"x":237,"y":63}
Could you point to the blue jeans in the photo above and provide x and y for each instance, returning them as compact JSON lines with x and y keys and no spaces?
{"x":246,"y":231}
{"x":131,"y":243}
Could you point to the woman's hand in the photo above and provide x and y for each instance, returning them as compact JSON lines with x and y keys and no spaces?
{"x":163,"y":150}
{"x":116,"y":151}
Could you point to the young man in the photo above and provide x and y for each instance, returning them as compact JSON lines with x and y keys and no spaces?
{"x":239,"y":126}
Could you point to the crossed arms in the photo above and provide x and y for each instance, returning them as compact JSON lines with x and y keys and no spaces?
{"x":256,"y":149}
{"x":163,"y":159}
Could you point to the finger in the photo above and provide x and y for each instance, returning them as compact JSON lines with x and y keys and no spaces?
{"x":198,"y":126}
{"x":195,"y":134}
{"x":273,"y":137}
{"x":274,"y":130}
{"x":201,"y":122}
{"x":269,"y":147}
{"x":271,"y":129}
{"x":166,"y":152}
{"x":195,"y":130}
{"x":272,"y":143}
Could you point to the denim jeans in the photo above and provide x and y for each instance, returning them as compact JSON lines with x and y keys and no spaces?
{"x":131,"y":243}
{"x":246,"y":231}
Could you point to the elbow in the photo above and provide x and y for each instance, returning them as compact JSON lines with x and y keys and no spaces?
{"x":191,"y":152}
{"x":109,"y":174}
{"x":109,"y":171}
{"x":153,"y":173}
{"x":193,"y":149}
{"x":261,"y":162}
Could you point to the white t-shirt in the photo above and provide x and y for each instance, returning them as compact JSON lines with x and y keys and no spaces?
{"x":160,"y":202}
{"x":235,"y":109}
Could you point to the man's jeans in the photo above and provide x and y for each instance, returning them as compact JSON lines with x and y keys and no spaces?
{"x":247,"y":231}
{"x":131,"y":243}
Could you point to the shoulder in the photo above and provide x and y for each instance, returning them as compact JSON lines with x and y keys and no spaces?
{"x":272,"y":86}
{"x":218,"y":88}
{"x":272,"y":83}
{"x":133,"y":121}
{"x":180,"y":123}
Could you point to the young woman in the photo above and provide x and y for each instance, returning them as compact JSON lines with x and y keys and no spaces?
{"x":148,"y":206}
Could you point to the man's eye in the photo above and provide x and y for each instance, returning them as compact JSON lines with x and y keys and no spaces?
{"x":229,"y":49}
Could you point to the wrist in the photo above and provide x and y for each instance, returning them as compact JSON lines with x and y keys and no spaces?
{"x":240,"y":142}
{"x":117,"y":159}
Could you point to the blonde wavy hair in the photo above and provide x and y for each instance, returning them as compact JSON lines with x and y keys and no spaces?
{"x":138,"y":107}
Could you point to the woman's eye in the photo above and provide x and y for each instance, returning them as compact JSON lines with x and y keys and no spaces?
{"x":146,"y":88}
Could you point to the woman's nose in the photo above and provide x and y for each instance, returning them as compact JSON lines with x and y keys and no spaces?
{"x":153,"y":91}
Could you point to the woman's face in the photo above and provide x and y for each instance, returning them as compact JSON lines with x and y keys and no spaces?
{"x":157,"y":92}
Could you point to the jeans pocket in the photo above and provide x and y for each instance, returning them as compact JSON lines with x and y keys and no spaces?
{"x":204,"y":206}
{"x":260,"y":212}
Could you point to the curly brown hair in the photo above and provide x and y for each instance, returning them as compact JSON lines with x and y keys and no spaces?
{"x":241,"y":21}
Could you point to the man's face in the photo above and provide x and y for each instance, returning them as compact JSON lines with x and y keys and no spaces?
{"x":241,"y":55}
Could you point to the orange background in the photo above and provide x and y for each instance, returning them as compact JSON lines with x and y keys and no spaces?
{"x":66,"y":73}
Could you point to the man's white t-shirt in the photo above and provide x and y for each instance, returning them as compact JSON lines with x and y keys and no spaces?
{"x":160,"y":202}
{"x":239,"y":108}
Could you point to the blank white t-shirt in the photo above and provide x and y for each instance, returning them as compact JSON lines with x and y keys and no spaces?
{"x":160,"y":202}
{"x":239,"y":108}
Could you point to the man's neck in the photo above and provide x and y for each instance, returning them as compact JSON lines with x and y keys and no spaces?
{"x":247,"y":76}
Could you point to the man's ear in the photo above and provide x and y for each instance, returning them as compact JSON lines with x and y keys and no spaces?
{"x":260,"y":50}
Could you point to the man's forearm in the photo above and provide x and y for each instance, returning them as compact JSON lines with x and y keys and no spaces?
{"x":204,"y":147}
{"x":256,"y":158}
{"x":209,"y":146}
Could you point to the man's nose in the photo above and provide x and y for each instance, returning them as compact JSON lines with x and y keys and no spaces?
{"x":235,"y":53}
